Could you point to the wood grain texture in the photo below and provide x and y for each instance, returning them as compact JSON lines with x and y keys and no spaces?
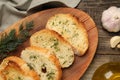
{"x":104,"y":53}
{"x":95,"y":8}
{"x":80,"y":65}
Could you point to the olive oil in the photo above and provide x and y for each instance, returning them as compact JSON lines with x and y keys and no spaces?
{"x":108,"y":71}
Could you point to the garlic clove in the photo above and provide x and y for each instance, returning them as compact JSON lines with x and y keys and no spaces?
{"x":118,"y":46}
{"x":114,"y":41}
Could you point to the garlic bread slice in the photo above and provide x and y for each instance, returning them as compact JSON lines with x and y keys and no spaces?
{"x":14,"y":68}
{"x":56,"y":44}
{"x":43,"y":62}
{"x":71,"y":30}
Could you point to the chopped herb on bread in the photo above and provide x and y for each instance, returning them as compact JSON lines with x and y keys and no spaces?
{"x":43,"y":62}
{"x":14,"y":68}
{"x":71,"y":30}
{"x":55,"y":43}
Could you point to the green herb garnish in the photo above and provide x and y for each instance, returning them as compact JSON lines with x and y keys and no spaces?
{"x":19,"y":78}
{"x":75,"y":35}
{"x":30,"y":66}
{"x":50,"y":75}
{"x":55,"y":45}
{"x":33,"y":57}
{"x":10,"y":41}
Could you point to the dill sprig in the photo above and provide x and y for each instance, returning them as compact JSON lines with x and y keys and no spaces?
{"x":9,"y":42}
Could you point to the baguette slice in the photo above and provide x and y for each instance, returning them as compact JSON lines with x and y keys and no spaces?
{"x":71,"y":30}
{"x":43,"y":62}
{"x":14,"y":68}
{"x":52,"y":41}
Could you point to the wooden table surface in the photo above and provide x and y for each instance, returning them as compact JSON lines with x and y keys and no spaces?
{"x":104,"y":53}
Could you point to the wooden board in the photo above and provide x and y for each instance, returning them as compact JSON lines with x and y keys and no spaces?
{"x":80,"y":65}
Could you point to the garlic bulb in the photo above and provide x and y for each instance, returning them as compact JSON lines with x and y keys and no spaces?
{"x":111,"y":19}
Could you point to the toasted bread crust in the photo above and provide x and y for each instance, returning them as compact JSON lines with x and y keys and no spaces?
{"x":71,"y":30}
{"x":65,"y":53}
{"x":51,"y":57}
{"x":50,"y":32}
{"x":18,"y":64}
{"x":46,"y":52}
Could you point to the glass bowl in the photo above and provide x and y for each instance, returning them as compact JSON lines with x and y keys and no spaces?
{"x":107,"y":71}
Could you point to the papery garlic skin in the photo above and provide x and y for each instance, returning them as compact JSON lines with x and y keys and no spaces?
{"x":111,"y":19}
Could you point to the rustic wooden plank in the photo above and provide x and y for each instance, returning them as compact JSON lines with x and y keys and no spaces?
{"x":104,"y":43}
{"x":95,"y":8}
{"x":81,"y":63}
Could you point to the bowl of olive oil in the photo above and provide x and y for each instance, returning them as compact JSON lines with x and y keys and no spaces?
{"x":107,"y":71}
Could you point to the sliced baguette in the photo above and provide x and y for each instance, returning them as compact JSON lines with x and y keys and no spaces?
{"x":71,"y":30}
{"x":14,"y":68}
{"x":43,"y":62}
{"x":51,"y":40}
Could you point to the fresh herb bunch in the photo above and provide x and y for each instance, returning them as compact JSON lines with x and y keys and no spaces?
{"x":10,"y":41}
